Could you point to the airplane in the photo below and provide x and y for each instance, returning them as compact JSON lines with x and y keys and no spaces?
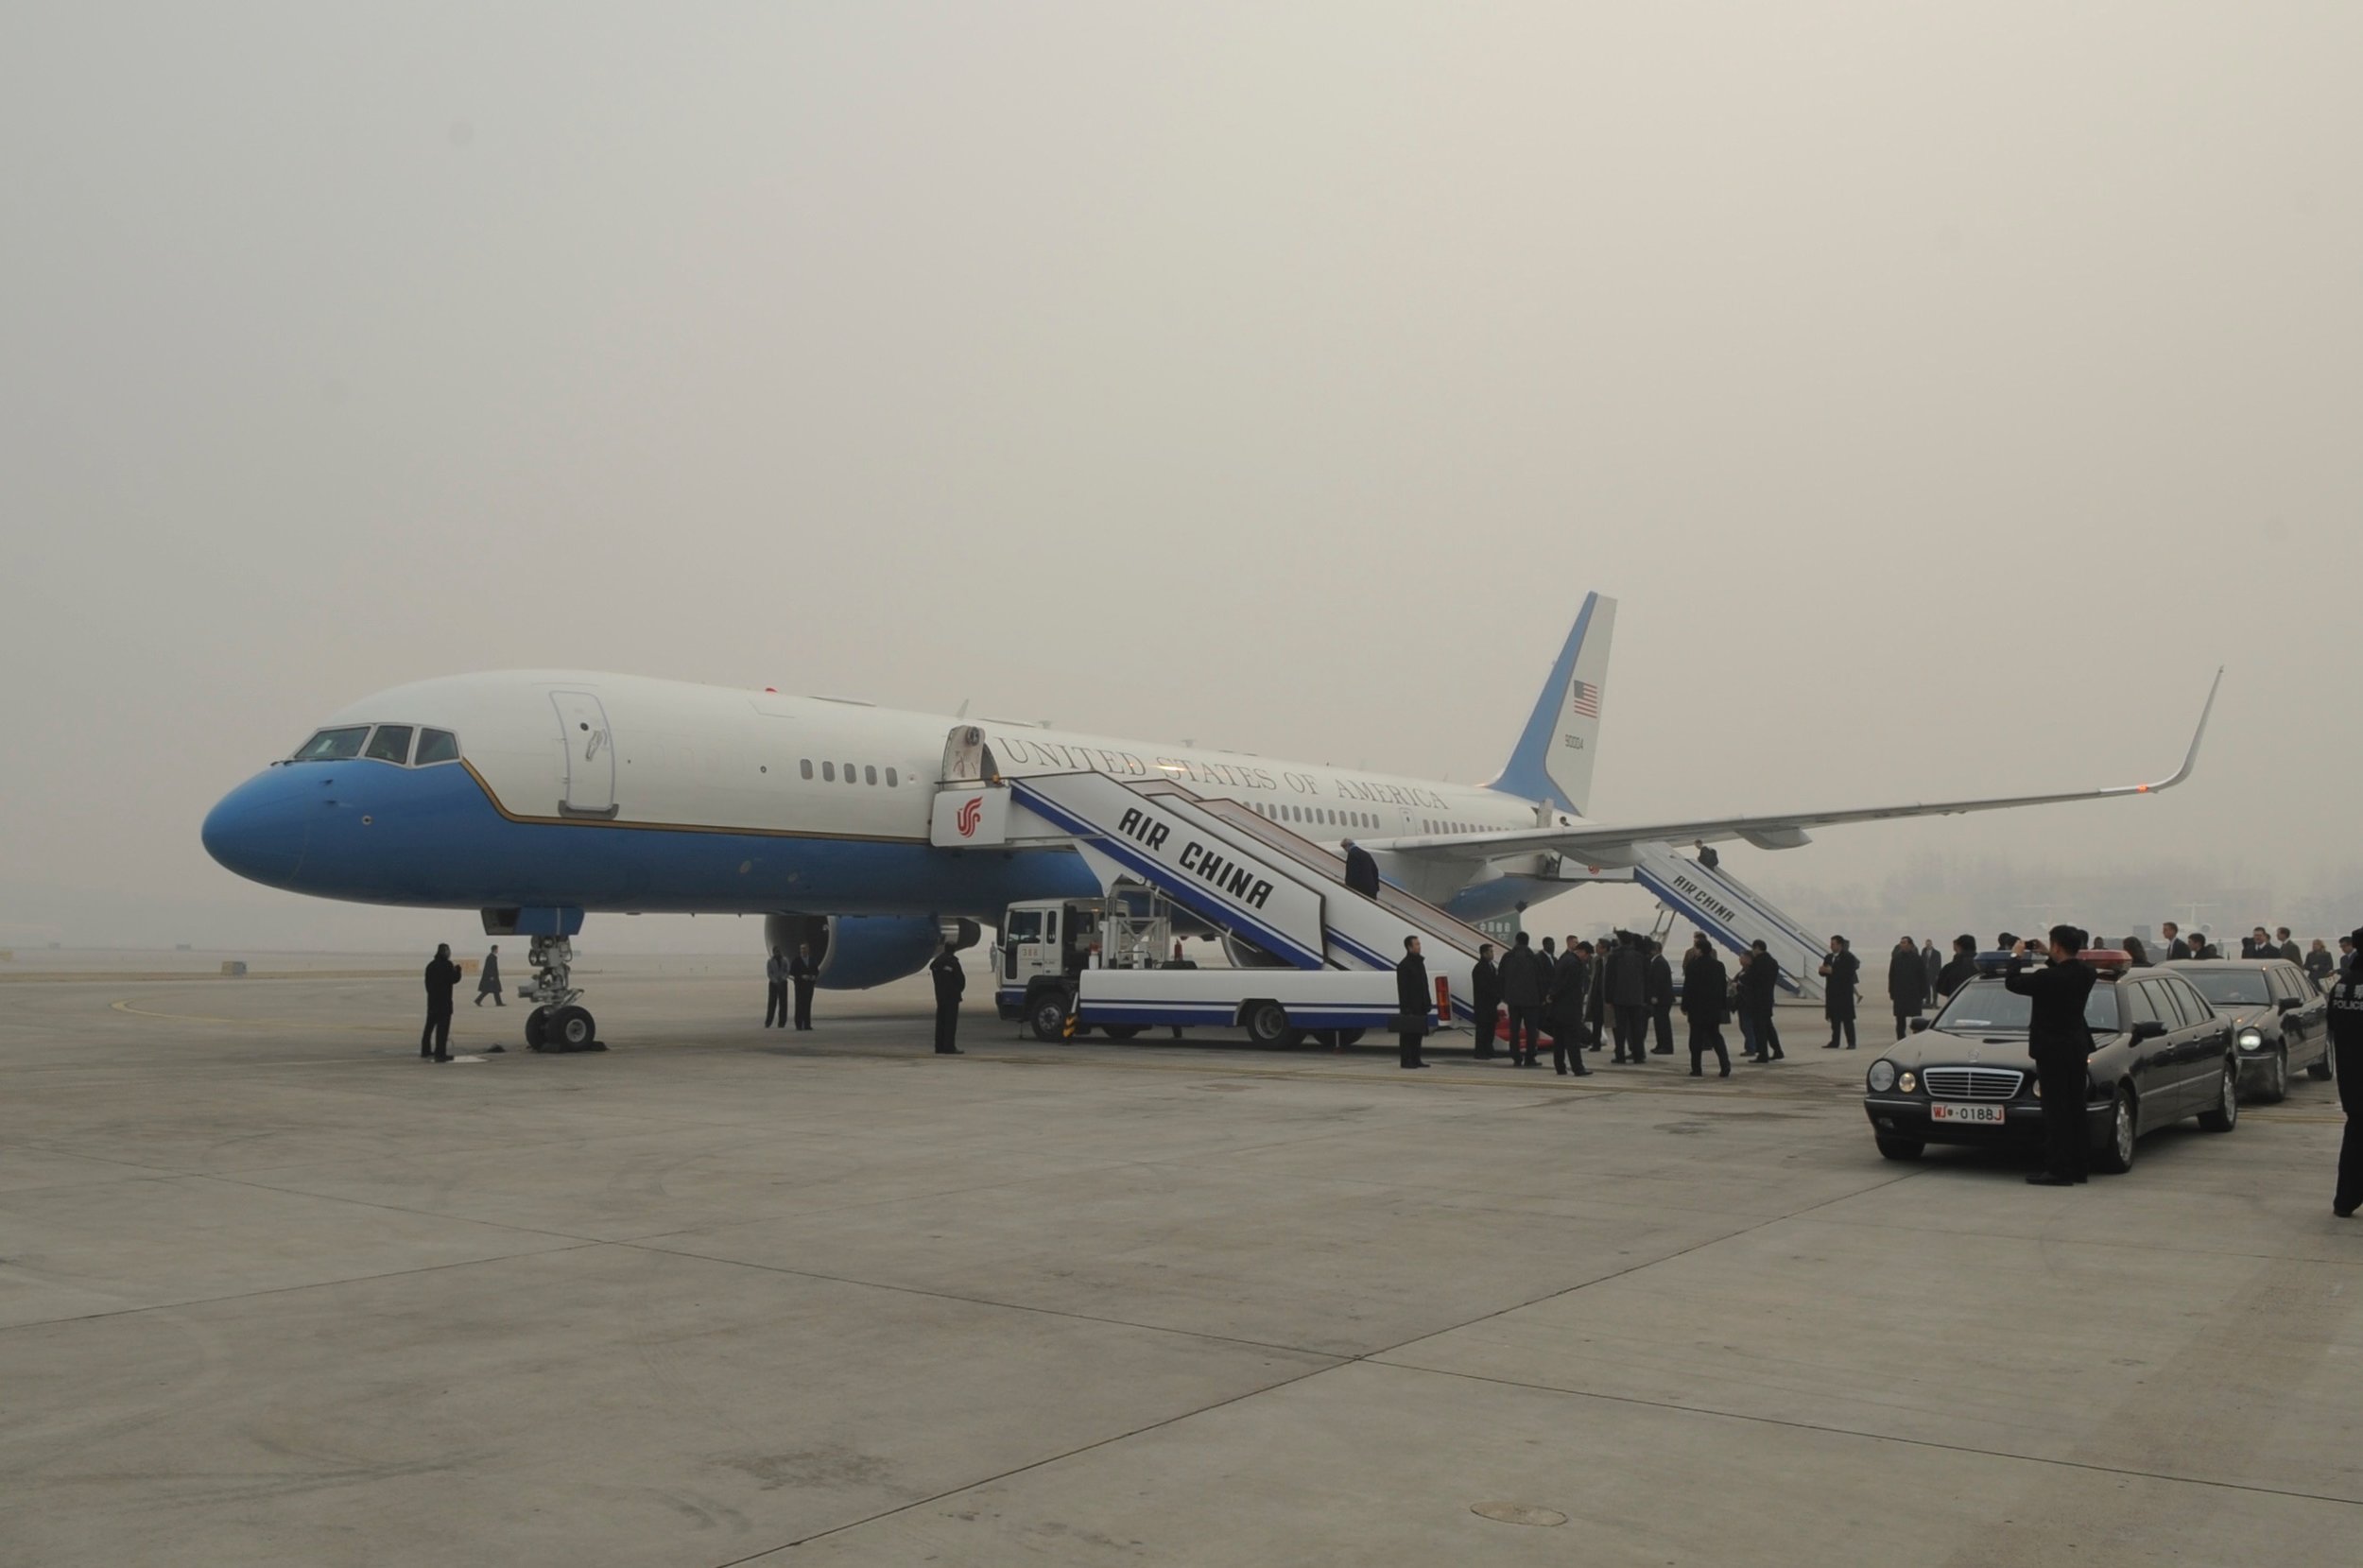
{"x":539,"y":796}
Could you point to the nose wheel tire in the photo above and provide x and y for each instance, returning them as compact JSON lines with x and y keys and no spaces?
{"x":2227,"y":1113}
{"x":538,"y":1028}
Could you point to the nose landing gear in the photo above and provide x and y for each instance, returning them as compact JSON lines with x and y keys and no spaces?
{"x":556,"y":1024}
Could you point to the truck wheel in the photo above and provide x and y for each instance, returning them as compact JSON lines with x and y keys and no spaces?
{"x":2115,"y":1157}
{"x":1267,"y":1023}
{"x":1349,"y":1037}
{"x":1119,"y":1031}
{"x":1901,"y":1149}
{"x":1047,"y":1014}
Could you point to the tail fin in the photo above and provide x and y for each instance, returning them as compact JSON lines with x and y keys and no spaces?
{"x":1555,"y":752}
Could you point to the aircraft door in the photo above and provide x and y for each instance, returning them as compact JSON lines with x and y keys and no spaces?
{"x":590,"y":755}
{"x":968,"y":757}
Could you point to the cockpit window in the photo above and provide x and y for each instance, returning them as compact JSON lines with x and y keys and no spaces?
{"x":437,"y":746}
{"x":391,"y":744}
{"x":334,"y":744}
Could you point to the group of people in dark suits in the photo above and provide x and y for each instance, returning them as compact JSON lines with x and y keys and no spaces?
{"x":1619,"y":992}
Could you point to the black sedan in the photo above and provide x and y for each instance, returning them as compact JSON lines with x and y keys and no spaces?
{"x":2161,"y":1055}
{"x":2280,"y":1021}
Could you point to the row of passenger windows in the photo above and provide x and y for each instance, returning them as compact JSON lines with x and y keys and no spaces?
{"x":1325,"y":816}
{"x":865,"y":773}
{"x":392,"y":742}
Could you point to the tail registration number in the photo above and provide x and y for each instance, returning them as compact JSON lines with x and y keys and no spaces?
{"x":1976,"y":1116}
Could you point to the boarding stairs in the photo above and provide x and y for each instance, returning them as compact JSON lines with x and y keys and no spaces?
{"x":1734,"y":914}
{"x":1248,"y":878}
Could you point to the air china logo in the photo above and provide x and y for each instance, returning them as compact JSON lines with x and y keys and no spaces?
{"x":971,"y":811}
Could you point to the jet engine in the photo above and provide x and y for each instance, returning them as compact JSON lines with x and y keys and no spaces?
{"x":855,"y":951}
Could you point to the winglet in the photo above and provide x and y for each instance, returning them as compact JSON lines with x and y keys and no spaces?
{"x":2190,"y":758}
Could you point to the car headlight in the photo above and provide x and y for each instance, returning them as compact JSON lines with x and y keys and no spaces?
{"x":1882,"y":1077}
{"x":1908,"y":1083}
{"x":2251,"y":1039}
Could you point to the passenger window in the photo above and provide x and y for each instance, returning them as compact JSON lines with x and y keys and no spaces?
{"x":849,"y":774}
{"x":890,"y":779}
{"x":869,"y":775}
{"x":334,"y":744}
{"x":2194,"y":1009}
{"x":437,"y":746}
{"x":805,"y":768}
{"x":2137,"y":1004}
{"x":828,"y":772}
{"x":391,"y":744}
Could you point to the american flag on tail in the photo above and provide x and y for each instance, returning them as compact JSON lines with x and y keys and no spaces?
{"x":1585,"y":700}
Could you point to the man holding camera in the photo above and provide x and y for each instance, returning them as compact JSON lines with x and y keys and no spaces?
{"x":2058,"y":1040}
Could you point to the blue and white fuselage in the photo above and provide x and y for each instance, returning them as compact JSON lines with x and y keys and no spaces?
{"x":618,"y":792}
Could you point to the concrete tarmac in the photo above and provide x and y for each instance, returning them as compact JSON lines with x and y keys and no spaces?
{"x":273,"y":1291}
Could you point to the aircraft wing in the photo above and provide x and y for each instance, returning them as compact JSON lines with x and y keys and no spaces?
{"x":1603,"y":844}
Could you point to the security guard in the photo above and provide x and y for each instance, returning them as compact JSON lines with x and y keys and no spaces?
{"x":1410,"y":1003}
{"x":441,"y":975}
{"x":951,"y":980}
{"x":802,"y":973}
{"x":2058,"y":1040}
{"x":1485,"y":988}
{"x":2346,"y":1040}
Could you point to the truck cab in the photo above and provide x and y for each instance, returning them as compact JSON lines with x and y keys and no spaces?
{"x":1047,"y":943}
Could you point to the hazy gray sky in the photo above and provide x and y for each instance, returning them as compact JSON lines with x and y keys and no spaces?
{"x":1275,"y":376}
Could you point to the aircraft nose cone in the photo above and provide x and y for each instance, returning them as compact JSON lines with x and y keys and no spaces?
{"x":259,"y":830}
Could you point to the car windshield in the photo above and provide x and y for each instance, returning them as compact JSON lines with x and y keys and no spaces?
{"x":1986,"y":1006}
{"x":334,"y":744}
{"x":2230,"y":988}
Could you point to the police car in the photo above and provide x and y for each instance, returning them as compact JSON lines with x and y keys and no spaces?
{"x":2161,"y":1055}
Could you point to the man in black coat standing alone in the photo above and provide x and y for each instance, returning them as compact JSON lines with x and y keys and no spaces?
{"x":951,"y":980}
{"x":443,"y":975}
{"x":1523,"y":986}
{"x":2058,"y":1040}
{"x":1843,"y":971}
{"x":1704,"y":984}
{"x":1758,"y":984}
{"x":1659,"y":977}
{"x":1361,"y":869}
{"x":1908,"y":985}
{"x":1411,"y":1003}
{"x":1485,"y":994}
{"x":1570,"y":979}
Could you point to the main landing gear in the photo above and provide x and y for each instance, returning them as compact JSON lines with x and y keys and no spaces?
{"x":557,"y":1024}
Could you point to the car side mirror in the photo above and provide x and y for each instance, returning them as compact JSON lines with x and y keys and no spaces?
{"x":2149,"y":1028}
{"x":1920,"y":1025}
{"x":2287,"y":1004}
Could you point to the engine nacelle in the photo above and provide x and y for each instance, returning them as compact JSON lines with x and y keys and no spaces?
{"x":855,"y":951}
